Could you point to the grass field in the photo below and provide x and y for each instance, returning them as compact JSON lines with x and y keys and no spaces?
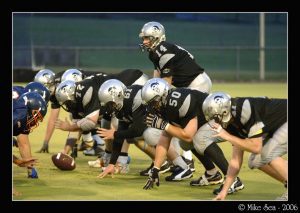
{"x":82,"y":184}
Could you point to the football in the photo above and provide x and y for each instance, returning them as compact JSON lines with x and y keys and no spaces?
{"x":63,"y":161}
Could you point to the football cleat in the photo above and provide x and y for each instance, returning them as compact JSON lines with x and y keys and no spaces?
{"x":164,"y":167}
{"x":180,"y":174}
{"x":235,"y":186}
{"x":146,"y":171}
{"x":206,"y":180}
{"x":95,"y":163}
{"x":190,"y":163}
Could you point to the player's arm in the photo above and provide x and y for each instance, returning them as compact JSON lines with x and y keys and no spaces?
{"x":233,"y":170}
{"x":24,"y":146}
{"x":85,"y":124}
{"x":253,"y":145}
{"x":54,"y":113}
{"x":185,"y":134}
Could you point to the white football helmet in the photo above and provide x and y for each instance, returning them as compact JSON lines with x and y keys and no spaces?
{"x":155,"y":31}
{"x":111,"y":95}
{"x":72,"y":74}
{"x":217,"y":106}
{"x":46,"y":77}
{"x":65,"y":94}
{"x":154,"y":92}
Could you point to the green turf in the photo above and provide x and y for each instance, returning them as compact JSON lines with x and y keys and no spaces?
{"x":82,"y":184}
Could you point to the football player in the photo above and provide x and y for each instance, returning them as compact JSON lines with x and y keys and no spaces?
{"x":179,"y":114}
{"x":22,"y":140}
{"x":254,"y":124}
{"x":173,"y":63}
{"x":126,"y":105}
{"x":83,"y":98}
{"x":51,"y":80}
{"x":28,"y":110}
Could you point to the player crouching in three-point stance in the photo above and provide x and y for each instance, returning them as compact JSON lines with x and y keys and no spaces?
{"x":257,"y":125}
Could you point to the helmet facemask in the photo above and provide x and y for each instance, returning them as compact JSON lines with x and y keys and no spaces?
{"x":33,"y":120}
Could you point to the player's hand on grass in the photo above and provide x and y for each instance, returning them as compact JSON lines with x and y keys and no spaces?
{"x":29,"y":163}
{"x":110,"y":169}
{"x":153,"y":178}
{"x":44,"y":149}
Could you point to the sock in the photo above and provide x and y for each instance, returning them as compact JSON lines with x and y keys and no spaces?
{"x":187,"y":155}
{"x":215,"y":153}
{"x":122,"y":159}
{"x":212,"y":171}
{"x":180,"y":162}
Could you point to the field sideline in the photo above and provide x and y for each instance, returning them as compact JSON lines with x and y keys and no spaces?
{"x":82,"y":184}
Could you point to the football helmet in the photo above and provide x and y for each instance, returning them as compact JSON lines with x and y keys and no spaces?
{"x":65,"y":94}
{"x":36,"y":109}
{"x":39,"y":88}
{"x":217,"y":106}
{"x":111,"y":95}
{"x":154,"y":92}
{"x":46,"y":77}
{"x":156,"y":33}
{"x":72,"y":74}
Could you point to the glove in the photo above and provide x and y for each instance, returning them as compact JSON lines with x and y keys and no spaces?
{"x":153,"y":178}
{"x":155,"y":121}
{"x":32,"y":173}
{"x":44,"y":148}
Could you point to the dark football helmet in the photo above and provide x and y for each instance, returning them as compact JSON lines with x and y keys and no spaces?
{"x":39,"y":88}
{"x":36,"y":109}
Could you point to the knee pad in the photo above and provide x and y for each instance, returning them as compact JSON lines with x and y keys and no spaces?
{"x":151,"y":136}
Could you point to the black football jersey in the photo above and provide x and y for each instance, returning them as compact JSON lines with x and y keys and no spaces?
{"x":173,"y":60}
{"x":183,"y":104}
{"x":132,"y":113}
{"x":128,"y":76}
{"x":86,"y":92}
{"x":257,"y":116}
{"x":57,"y":80}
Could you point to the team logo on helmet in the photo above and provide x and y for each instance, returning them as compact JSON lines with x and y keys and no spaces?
{"x":154,"y":87}
{"x":156,"y":28}
{"x":113,"y":91}
{"x":219,"y":99}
